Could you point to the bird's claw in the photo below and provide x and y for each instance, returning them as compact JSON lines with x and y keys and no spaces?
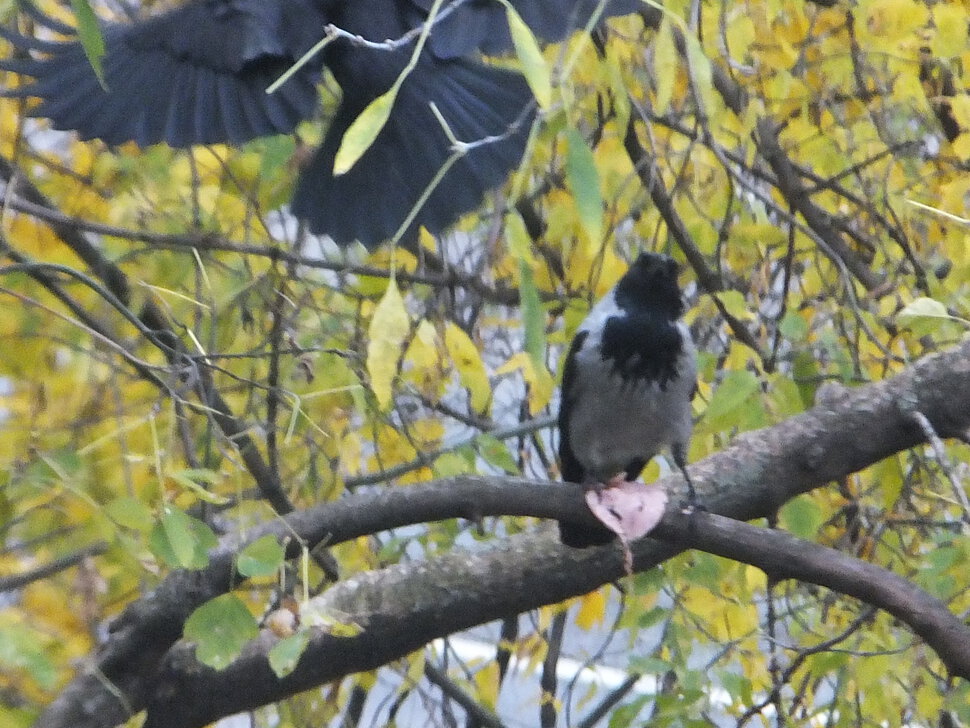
{"x":689,"y":506}
{"x":617,"y":481}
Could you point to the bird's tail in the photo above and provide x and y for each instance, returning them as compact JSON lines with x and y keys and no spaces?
{"x":581,"y":537}
{"x":396,"y":178}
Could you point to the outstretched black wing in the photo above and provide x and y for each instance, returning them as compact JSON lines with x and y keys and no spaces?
{"x":374,"y":198}
{"x":195,"y":75}
{"x":574,"y":534}
{"x":198,"y":75}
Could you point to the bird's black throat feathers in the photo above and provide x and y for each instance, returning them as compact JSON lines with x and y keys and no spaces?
{"x":642,"y":342}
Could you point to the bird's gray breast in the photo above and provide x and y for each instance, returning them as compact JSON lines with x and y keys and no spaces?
{"x":616,"y":420}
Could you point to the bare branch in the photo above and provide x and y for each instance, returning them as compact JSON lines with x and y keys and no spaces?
{"x":481,"y":715}
{"x":9,"y":583}
{"x":152,"y":319}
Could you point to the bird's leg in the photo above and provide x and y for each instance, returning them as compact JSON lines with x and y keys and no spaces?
{"x":616,"y":481}
{"x":598,"y":486}
{"x":680,"y":460}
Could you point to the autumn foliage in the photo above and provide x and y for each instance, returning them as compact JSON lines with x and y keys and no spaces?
{"x":180,"y":366}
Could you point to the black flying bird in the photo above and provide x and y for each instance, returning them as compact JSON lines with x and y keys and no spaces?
{"x":198,"y":75}
{"x":627,"y":386}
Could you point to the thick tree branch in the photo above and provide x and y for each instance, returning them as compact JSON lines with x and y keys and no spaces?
{"x":405,"y":606}
{"x":752,"y":478}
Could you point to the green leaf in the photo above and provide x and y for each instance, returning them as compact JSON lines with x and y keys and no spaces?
{"x":649,"y":665}
{"x":494,"y":452}
{"x":178,"y":530}
{"x":274,"y":154}
{"x":732,"y":393}
{"x":925,"y":315}
{"x":364,"y":130}
{"x":534,"y":66}
{"x":533,"y":317}
{"x":652,"y":616}
{"x":181,"y":541}
{"x":191,"y":478}
{"x":706,"y":570}
{"x":793,"y":327}
{"x":701,"y":74}
{"x":285,"y":654}
{"x":958,"y":700}
{"x":459,"y":462}
{"x":220,"y":629}
{"x":584,"y":183}
{"x":736,"y":305}
{"x":263,"y":557}
{"x":22,"y":649}
{"x":890,"y":474}
{"x":130,"y":513}
{"x":739,"y":687}
{"x":802,"y":517}
{"x":332,"y":621}
{"x":60,"y":466}
{"x":628,"y":713}
{"x":89,"y":33}
{"x":924,"y":307}
{"x":785,"y":395}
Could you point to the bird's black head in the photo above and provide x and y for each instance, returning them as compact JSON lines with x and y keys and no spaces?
{"x":651,"y":283}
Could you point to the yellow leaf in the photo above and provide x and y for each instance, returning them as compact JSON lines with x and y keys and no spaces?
{"x":534,"y":66}
{"x":950,"y":24}
{"x":960,"y":105}
{"x":487,"y":683}
{"x":388,"y":329}
{"x":517,"y":238}
{"x":362,"y":133}
{"x":423,"y":351}
{"x":56,"y":615}
{"x":664,"y":65}
{"x":423,"y":367}
{"x":471,"y":369}
{"x":741,"y":32}
{"x":887,"y":23}
{"x":735,"y":304}
{"x":961,"y":147}
{"x":426,"y":240}
{"x":392,"y":448}
{"x":592,"y":610}
{"x":540,"y":382}
{"x":415,"y":667}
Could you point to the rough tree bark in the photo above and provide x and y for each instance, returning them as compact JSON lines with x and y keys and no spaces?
{"x":401,"y":608}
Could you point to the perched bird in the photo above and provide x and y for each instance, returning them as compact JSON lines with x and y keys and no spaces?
{"x":629,"y":378}
{"x":198,"y":74}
